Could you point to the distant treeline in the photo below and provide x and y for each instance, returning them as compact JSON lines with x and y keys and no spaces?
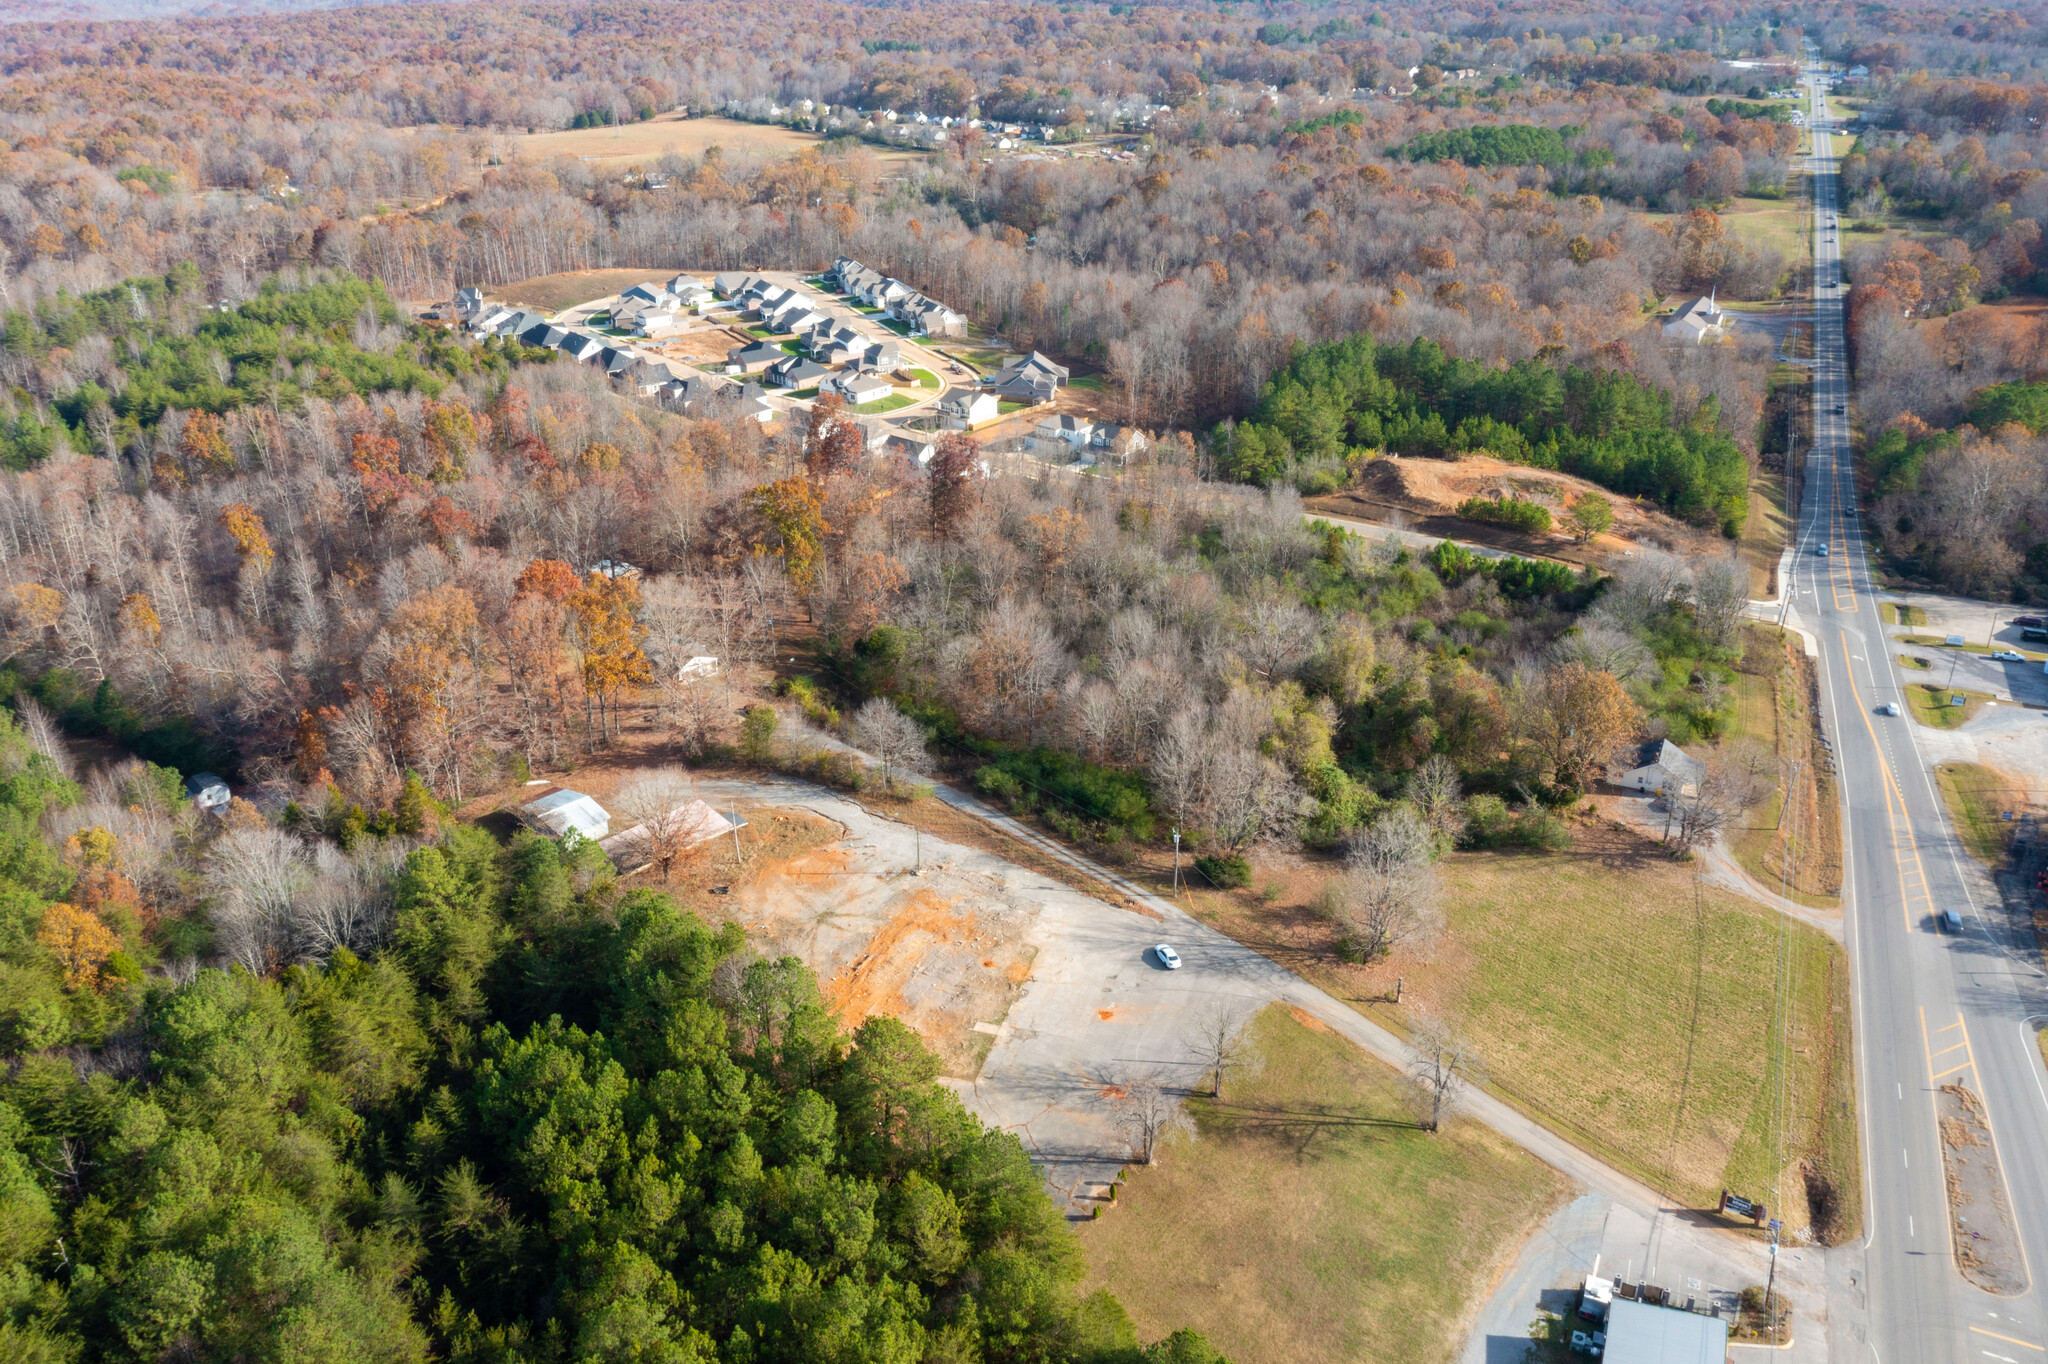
{"x":1603,"y":425}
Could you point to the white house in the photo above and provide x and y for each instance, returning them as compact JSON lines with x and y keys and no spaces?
{"x":208,"y":792}
{"x":1699,"y":321}
{"x":1069,"y":433}
{"x":1663,"y":768}
{"x":966,"y":408}
{"x":562,"y":810}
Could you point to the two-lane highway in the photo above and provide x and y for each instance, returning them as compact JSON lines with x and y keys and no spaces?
{"x":1932,"y":1008}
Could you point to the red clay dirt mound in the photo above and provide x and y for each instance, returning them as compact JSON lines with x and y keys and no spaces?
{"x":1424,"y":495}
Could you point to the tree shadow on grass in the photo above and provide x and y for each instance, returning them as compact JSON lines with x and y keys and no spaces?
{"x":1296,"y":1126}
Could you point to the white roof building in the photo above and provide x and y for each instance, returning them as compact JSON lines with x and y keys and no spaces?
{"x":563,"y":810}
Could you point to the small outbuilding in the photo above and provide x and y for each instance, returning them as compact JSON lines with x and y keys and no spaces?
{"x":208,"y":792}
{"x":562,"y":810}
{"x":1663,"y":768}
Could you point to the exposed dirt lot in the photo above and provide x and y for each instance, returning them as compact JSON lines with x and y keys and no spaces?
{"x":631,"y":143}
{"x":1427,"y":492}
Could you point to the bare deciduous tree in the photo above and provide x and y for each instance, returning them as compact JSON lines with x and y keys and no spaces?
{"x":1217,"y":1041}
{"x":349,"y":901}
{"x":1146,"y":1113}
{"x":1439,"y":798}
{"x":254,"y":875}
{"x":883,"y":730}
{"x":1180,"y":767}
{"x":1251,"y":797}
{"x":658,"y":802}
{"x":1720,"y":596}
{"x":41,"y":728}
{"x":1729,"y":785}
{"x":1444,"y":1062}
{"x":1388,"y":894}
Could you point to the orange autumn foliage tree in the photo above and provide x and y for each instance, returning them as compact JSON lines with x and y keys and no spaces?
{"x":608,"y":628}
{"x":79,"y":941}
{"x":252,"y":540}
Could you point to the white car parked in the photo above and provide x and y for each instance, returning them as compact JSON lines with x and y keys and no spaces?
{"x":1168,"y":958}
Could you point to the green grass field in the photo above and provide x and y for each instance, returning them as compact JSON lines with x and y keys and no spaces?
{"x":925,"y":378}
{"x":1006,"y":406}
{"x":1978,"y":799}
{"x":1918,"y":663}
{"x":1898,"y":613}
{"x":888,"y":404}
{"x":1311,"y":1220}
{"x":1929,"y":704}
{"x":1668,"y":983}
{"x":1619,"y":1001}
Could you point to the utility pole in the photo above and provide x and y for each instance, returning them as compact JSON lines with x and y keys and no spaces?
{"x":1771,"y":1283}
{"x":737,"y":858}
{"x":1176,"y":862}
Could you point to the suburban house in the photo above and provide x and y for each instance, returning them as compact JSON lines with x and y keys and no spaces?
{"x":733,"y":283}
{"x":648,"y":377}
{"x":754,"y":358}
{"x":858,"y":389}
{"x":617,"y":362}
{"x":208,"y":792}
{"x":647,"y":293}
{"x":966,"y":408}
{"x":682,"y":284}
{"x":1113,"y":444}
{"x":754,"y":407}
{"x":469,"y":301}
{"x":1064,"y":432}
{"x":580,"y":345}
{"x":914,"y":447}
{"x":1698,"y":321}
{"x":1664,"y":768}
{"x":544,"y":334}
{"x":1030,"y":368}
{"x":516,"y":324}
{"x":695,"y":390}
{"x":1028,"y":389}
{"x":794,"y":371}
{"x":561,"y":811}
{"x":928,"y":317}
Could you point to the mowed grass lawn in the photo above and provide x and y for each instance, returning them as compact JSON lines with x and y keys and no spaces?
{"x":1929,"y":703}
{"x":1630,"y":1006}
{"x":1310,"y":1219}
{"x":1978,"y":799}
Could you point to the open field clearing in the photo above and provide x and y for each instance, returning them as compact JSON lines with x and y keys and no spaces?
{"x":1311,"y":1220}
{"x":552,"y":293}
{"x":628,"y":143}
{"x":1616,"y":999}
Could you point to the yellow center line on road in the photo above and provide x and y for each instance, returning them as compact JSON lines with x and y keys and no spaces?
{"x":2024,"y":1344}
{"x":1905,"y":851}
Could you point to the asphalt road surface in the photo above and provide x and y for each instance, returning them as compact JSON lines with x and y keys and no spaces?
{"x":1931,"y":1008}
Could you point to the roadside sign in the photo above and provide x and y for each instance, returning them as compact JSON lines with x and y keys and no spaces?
{"x":1954,"y":640}
{"x":1956,"y":700}
{"x":1776,"y":1226}
{"x":1741,"y":1207}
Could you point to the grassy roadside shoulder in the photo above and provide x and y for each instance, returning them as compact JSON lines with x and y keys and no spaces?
{"x":1977,"y":799}
{"x":1309,"y":1217}
{"x":1792,"y":846}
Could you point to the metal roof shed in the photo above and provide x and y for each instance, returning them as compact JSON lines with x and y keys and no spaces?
{"x":1640,"y":1334}
{"x":560,"y":811}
